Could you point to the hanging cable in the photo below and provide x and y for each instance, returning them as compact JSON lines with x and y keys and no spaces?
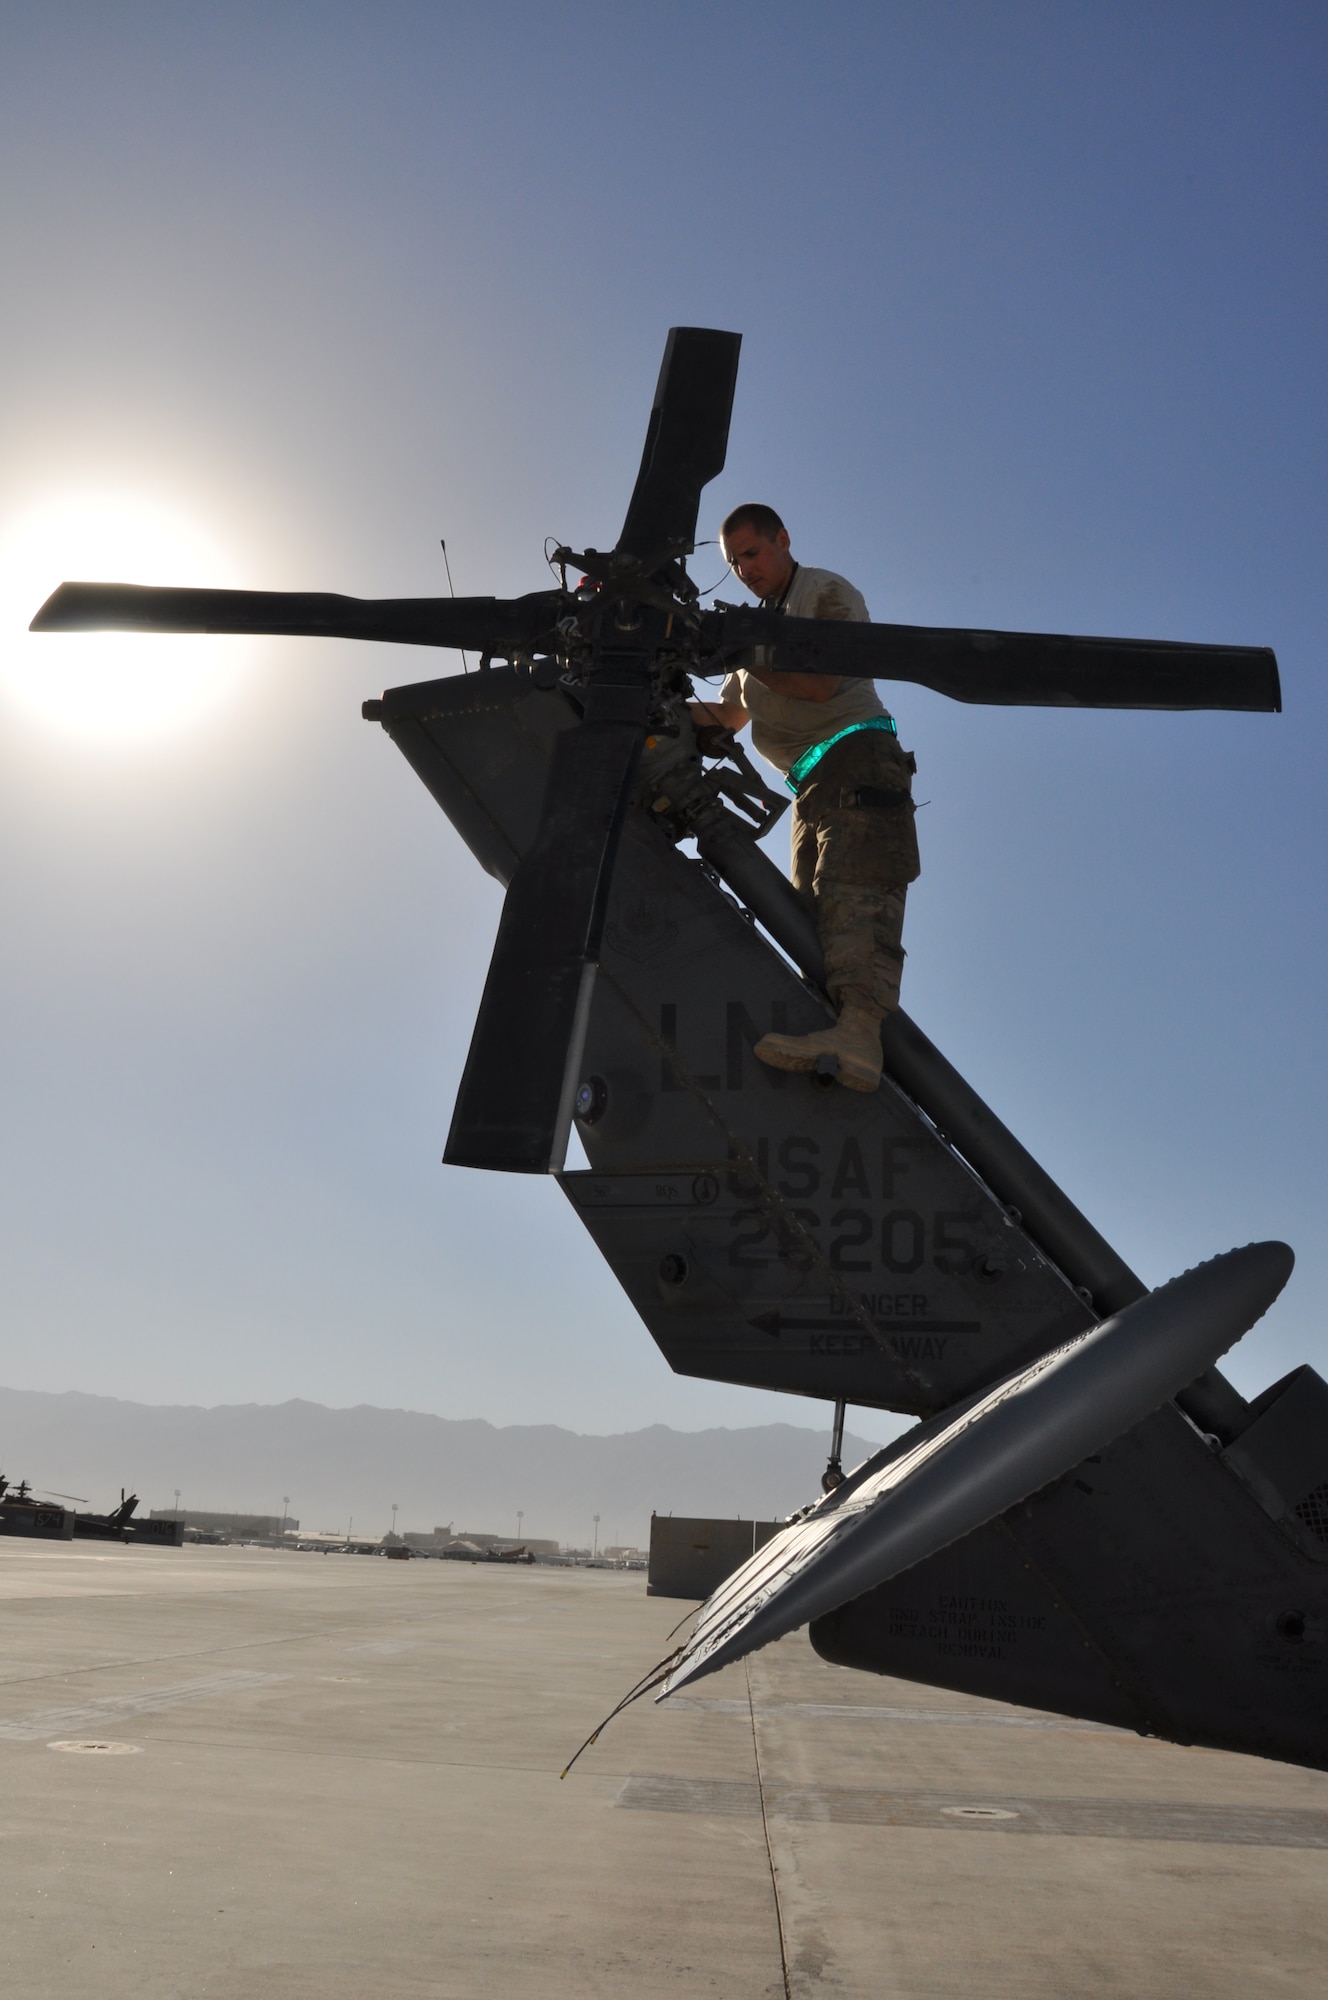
{"x":643,"y":1686}
{"x":711,"y":588}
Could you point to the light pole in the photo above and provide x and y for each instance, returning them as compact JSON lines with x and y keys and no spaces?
{"x":394,"y":1520}
{"x":177,"y":1503}
{"x":596,"y":1549}
{"x":520,"y":1517}
{"x":285,"y":1509}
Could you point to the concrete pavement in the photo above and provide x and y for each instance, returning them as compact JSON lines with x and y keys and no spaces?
{"x":334,"y":1776}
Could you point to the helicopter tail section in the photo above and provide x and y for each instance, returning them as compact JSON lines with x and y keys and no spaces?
{"x":1162,"y":1585}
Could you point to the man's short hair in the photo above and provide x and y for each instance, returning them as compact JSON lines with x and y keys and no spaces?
{"x":764,"y":519}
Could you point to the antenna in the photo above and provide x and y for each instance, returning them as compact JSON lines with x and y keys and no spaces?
{"x":465,"y":664}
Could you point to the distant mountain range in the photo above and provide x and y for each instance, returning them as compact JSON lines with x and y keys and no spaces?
{"x":339,"y":1465}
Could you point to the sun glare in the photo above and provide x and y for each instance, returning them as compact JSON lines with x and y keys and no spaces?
{"x":110,"y":687}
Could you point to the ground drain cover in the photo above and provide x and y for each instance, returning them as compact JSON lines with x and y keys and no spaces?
{"x":978,"y":1812}
{"x":91,"y":1746}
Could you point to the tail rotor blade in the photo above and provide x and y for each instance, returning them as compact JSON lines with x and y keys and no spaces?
{"x":687,"y":439}
{"x":484,"y":624}
{"x":514,"y":1108}
{"x":1025,"y":669}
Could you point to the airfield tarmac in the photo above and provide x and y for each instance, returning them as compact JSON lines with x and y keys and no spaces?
{"x":286,"y":1776}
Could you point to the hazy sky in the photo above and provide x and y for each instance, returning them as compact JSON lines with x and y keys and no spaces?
{"x":1033,"y":307}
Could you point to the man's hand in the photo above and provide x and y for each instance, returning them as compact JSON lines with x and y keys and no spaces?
{"x":713,"y":739}
{"x":717,"y":723}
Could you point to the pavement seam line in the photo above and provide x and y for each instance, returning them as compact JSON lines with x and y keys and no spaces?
{"x":765,"y":1829}
{"x":190,"y":1653}
{"x":110,"y":1709}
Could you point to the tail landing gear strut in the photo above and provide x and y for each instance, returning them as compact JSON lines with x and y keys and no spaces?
{"x":834,"y":1472}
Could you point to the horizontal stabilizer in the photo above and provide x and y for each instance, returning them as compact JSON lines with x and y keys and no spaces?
{"x":968,"y":1465}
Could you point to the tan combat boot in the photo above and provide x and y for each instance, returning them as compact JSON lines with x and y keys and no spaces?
{"x":851,"y":1050}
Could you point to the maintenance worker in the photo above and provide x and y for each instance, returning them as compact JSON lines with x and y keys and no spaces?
{"x":855,"y":847}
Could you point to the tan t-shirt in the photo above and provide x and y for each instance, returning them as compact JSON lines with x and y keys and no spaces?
{"x":784,"y":728}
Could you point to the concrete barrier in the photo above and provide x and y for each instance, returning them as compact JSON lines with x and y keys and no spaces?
{"x":690,"y":1556}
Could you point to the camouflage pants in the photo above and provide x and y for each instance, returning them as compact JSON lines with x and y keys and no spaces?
{"x":855,"y":851}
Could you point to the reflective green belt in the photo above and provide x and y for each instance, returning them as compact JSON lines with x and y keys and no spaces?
{"x":809,"y":759}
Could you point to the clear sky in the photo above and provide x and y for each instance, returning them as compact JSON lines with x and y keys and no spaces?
{"x":1033,"y":307}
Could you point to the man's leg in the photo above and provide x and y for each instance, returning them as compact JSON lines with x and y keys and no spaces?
{"x":861,"y":928}
{"x":857,"y":815}
{"x":806,"y":852}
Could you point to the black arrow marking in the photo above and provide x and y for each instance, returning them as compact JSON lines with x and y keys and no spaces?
{"x":774,"y":1324}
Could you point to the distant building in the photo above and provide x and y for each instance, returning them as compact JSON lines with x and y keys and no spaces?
{"x":228,"y":1524}
{"x":440,"y":1538}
